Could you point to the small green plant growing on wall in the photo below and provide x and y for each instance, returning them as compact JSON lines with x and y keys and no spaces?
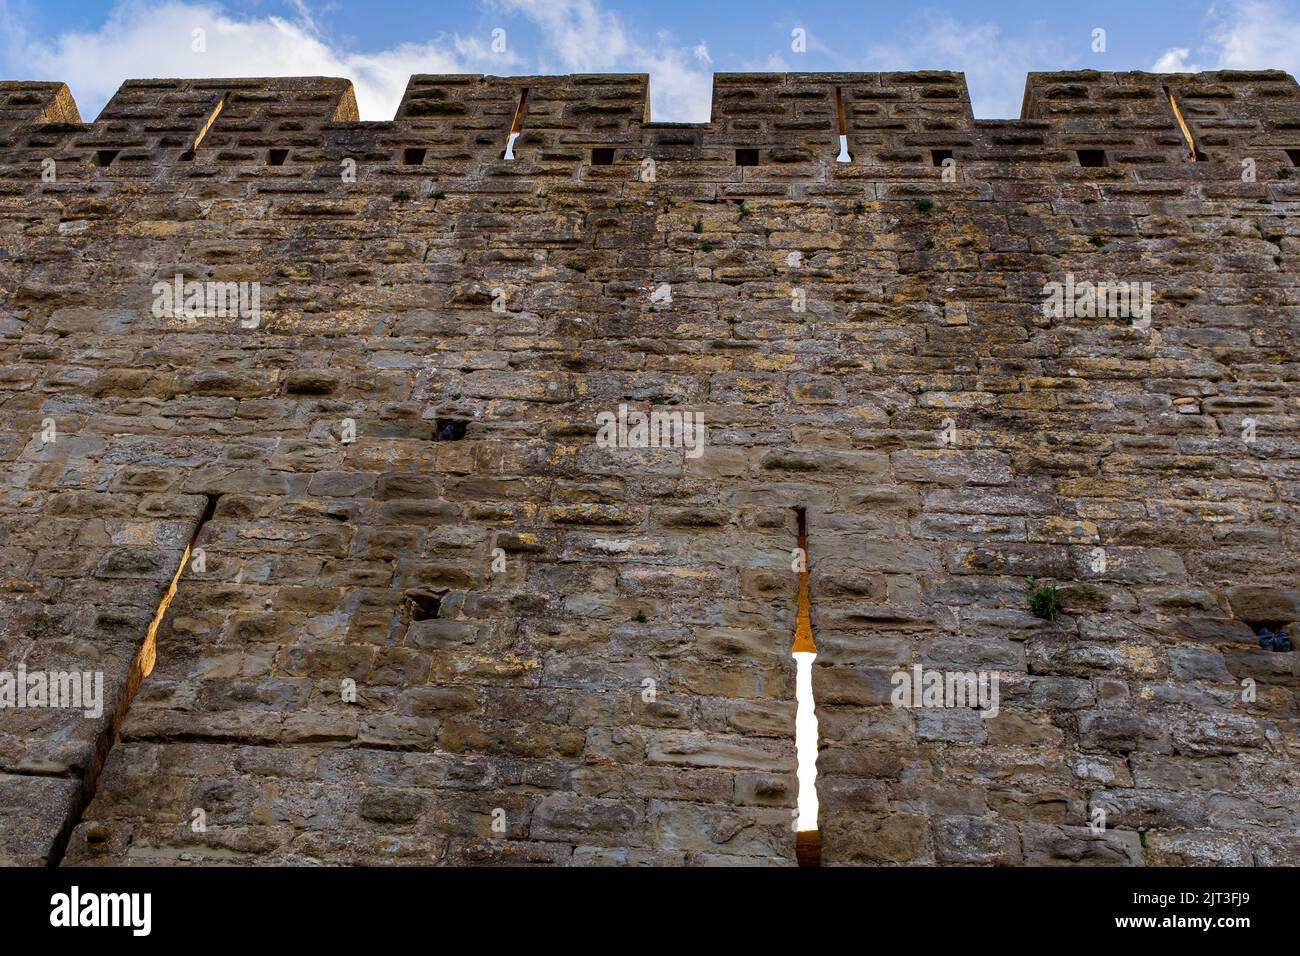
{"x":1044,"y":600}
{"x":923,"y":205}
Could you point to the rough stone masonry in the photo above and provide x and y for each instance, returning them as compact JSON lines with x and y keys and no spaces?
{"x":424,"y":617}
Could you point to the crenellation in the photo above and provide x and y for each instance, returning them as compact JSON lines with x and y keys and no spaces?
{"x":889,"y":118}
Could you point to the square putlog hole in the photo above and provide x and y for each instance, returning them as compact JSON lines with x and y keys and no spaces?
{"x":413,"y":156}
{"x":602,"y":156}
{"x":747,"y":157}
{"x":105,"y":157}
{"x":937,"y":156}
{"x":1091,"y":157}
{"x":1272,"y":635}
{"x":423,"y":603}
{"x":276,"y":157}
{"x":449,"y":429}
{"x":1294,"y":156}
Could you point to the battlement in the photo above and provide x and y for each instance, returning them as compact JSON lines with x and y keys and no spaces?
{"x":789,"y":118}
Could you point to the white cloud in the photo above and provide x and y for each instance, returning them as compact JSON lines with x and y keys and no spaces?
{"x":148,"y":40}
{"x":1249,"y":35}
{"x":1261,"y":38}
{"x":145,"y":38}
{"x":587,"y":39}
{"x":582,"y":36}
{"x":995,"y":66}
{"x":1174,"y":60}
{"x":772,"y":63}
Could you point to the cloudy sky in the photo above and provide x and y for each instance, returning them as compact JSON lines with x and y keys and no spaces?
{"x":378,"y":44}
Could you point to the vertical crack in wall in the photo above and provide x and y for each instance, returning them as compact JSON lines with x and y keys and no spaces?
{"x":807,"y":835}
{"x":141,"y":668}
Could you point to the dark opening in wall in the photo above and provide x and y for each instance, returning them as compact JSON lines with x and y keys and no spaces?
{"x":449,"y":429}
{"x":1272,"y":636}
{"x":937,"y":156}
{"x":1294,"y":156}
{"x":424,"y":604}
{"x":1091,"y":157}
{"x":105,"y":157}
{"x":413,"y":156}
{"x":808,"y":847}
{"x":747,"y":157}
{"x":276,"y":157}
{"x":602,"y":156}
{"x":187,"y":156}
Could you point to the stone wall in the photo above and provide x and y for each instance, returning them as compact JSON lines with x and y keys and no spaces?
{"x":564,"y":653}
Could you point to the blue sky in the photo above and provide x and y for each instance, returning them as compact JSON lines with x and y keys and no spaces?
{"x":377,"y":44}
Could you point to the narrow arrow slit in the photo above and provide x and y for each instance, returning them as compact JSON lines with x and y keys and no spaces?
{"x":807,"y":838}
{"x":516,"y":125}
{"x":1195,"y":154}
{"x":844,"y":156}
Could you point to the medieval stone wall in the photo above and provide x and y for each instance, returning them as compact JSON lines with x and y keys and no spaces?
{"x":566,"y":653}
